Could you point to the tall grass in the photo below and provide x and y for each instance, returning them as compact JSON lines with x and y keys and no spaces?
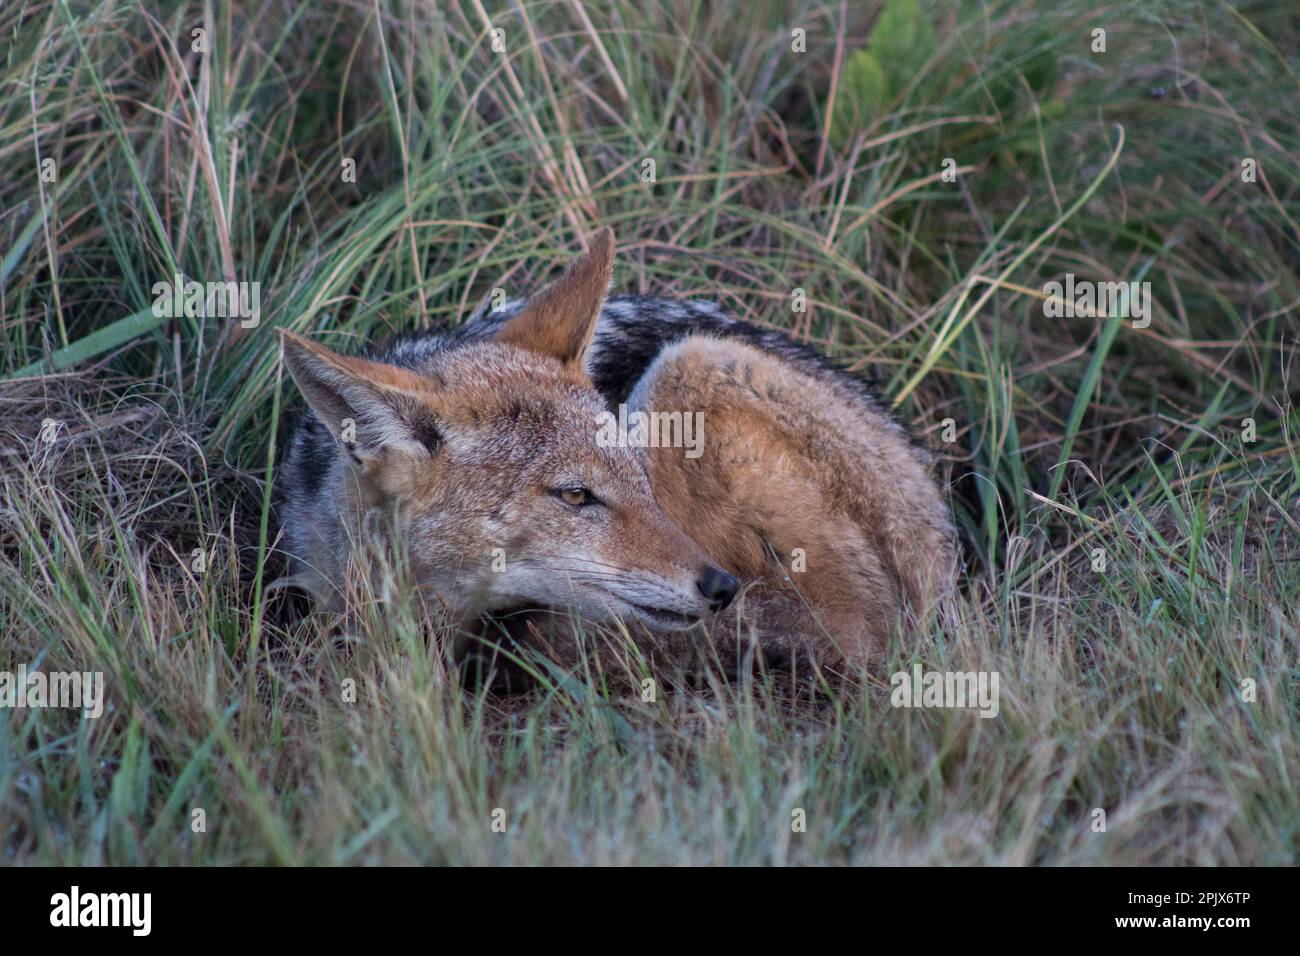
{"x":1131,"y":556}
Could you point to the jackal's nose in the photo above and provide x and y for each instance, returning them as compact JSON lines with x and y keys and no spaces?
{"x":717,"y":586}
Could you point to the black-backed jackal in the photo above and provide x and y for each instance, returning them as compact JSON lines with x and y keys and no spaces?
{"x":521,"y":458}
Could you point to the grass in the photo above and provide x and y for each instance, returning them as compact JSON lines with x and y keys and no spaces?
{"x":1132,"y":557}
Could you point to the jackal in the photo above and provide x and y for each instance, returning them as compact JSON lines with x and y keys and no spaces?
{"x":490,"y":444}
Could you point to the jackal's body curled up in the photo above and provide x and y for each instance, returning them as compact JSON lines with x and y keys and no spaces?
{"x":804,"y":502}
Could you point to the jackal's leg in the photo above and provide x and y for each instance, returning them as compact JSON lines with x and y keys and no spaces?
{"x":799,"y":484}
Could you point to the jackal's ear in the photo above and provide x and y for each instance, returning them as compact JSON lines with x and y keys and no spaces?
{"x":559,"y":320}
{"x":369,"y":407}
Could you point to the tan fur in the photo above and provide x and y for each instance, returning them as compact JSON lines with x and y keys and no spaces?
{"x":791,"y":462}
{"x":546,"y":325}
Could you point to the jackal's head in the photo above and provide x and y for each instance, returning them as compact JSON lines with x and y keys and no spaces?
{"x":489,"y":454}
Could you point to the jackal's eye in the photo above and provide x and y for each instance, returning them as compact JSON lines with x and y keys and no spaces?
{"x":578,"y":497}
